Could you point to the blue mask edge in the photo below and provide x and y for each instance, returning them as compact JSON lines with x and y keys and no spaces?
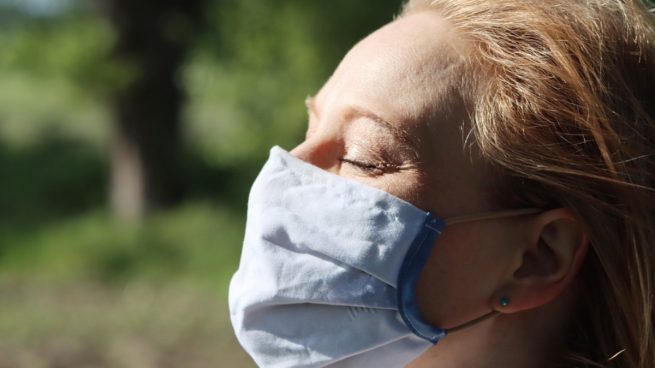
{"x":413,"y":263}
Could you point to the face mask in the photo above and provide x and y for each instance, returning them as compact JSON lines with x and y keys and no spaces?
{"x":328,"y":271}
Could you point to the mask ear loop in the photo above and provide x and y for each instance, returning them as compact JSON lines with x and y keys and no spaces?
{"x":504,"y":302}
{"x":481,"y":217}
{"x":415,"y":260}
{"x":464,"y":325}
{"x":491,"y":215}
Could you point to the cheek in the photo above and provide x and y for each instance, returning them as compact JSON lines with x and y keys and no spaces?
{"x":409,"y":187}
{"x":406,"y":185}
{"x":456,"y":284}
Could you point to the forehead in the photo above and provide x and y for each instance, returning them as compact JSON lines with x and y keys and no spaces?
{"x":408,"y":72}
{"x":407,"y":68}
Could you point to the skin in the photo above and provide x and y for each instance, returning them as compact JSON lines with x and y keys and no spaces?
{"x":391,"y":116}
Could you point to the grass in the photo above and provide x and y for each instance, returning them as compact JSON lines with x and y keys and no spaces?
{"x":87,"y":291}
{"x":137,"y":325}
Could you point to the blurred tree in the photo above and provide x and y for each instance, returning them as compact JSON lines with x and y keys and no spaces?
{"x":85,"y":69}
{"x":153,"y":37}
{"x":256,"y":63}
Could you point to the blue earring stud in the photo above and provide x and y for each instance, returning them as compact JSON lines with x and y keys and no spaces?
{"x":504,"y":301}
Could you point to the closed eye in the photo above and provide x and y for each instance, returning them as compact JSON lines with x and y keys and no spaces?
{"x":370,"y":168}
{"x":361,"y":165}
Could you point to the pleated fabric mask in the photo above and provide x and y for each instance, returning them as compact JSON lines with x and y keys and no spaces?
{"x":328,"y":271}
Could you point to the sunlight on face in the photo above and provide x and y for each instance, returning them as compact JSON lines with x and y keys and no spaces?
{"x":391,"y":117}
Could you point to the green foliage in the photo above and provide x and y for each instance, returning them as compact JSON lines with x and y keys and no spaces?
{"x":251,"y":74}
{"x":68,"y":270}
{"x":52,"y":178}
{"x":54,"y":75}
{"x":73,"y":49}
{"x":199,"y":242}
{"x":246,"y":80}
{"x":35,"y":108}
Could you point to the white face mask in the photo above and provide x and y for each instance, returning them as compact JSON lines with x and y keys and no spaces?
{"x":328,"y":271}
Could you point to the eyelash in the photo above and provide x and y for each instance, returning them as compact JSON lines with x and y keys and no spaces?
{"x":365,"y":166}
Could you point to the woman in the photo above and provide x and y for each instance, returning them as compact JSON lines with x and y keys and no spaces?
{"x":476,"y":189}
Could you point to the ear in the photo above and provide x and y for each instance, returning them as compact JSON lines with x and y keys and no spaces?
{"x":551,"y":256}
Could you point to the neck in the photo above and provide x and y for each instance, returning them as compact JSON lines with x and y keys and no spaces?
{"x":520,"y":340}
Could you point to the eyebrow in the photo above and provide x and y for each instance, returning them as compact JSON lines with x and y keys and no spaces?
{"x":361,"y":112}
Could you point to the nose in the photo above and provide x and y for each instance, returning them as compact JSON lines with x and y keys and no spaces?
{"x":320,"y":152}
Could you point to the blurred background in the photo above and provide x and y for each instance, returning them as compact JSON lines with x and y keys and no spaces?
{"x":130,"y":132}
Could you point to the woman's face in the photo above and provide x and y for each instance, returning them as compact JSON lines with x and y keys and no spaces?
{"x":391,"y":116}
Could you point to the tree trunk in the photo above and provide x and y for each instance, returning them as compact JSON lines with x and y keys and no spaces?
{"x":152,"y":41}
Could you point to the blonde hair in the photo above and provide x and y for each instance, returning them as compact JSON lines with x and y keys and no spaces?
{"x":563,"y":102}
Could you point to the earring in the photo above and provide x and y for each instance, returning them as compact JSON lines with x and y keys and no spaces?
{"x":504,"y":301}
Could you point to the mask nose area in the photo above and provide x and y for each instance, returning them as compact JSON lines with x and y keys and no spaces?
{"x":321,"y":153}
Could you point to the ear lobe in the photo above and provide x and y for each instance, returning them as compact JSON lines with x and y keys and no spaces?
{"x":551,"y":258}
